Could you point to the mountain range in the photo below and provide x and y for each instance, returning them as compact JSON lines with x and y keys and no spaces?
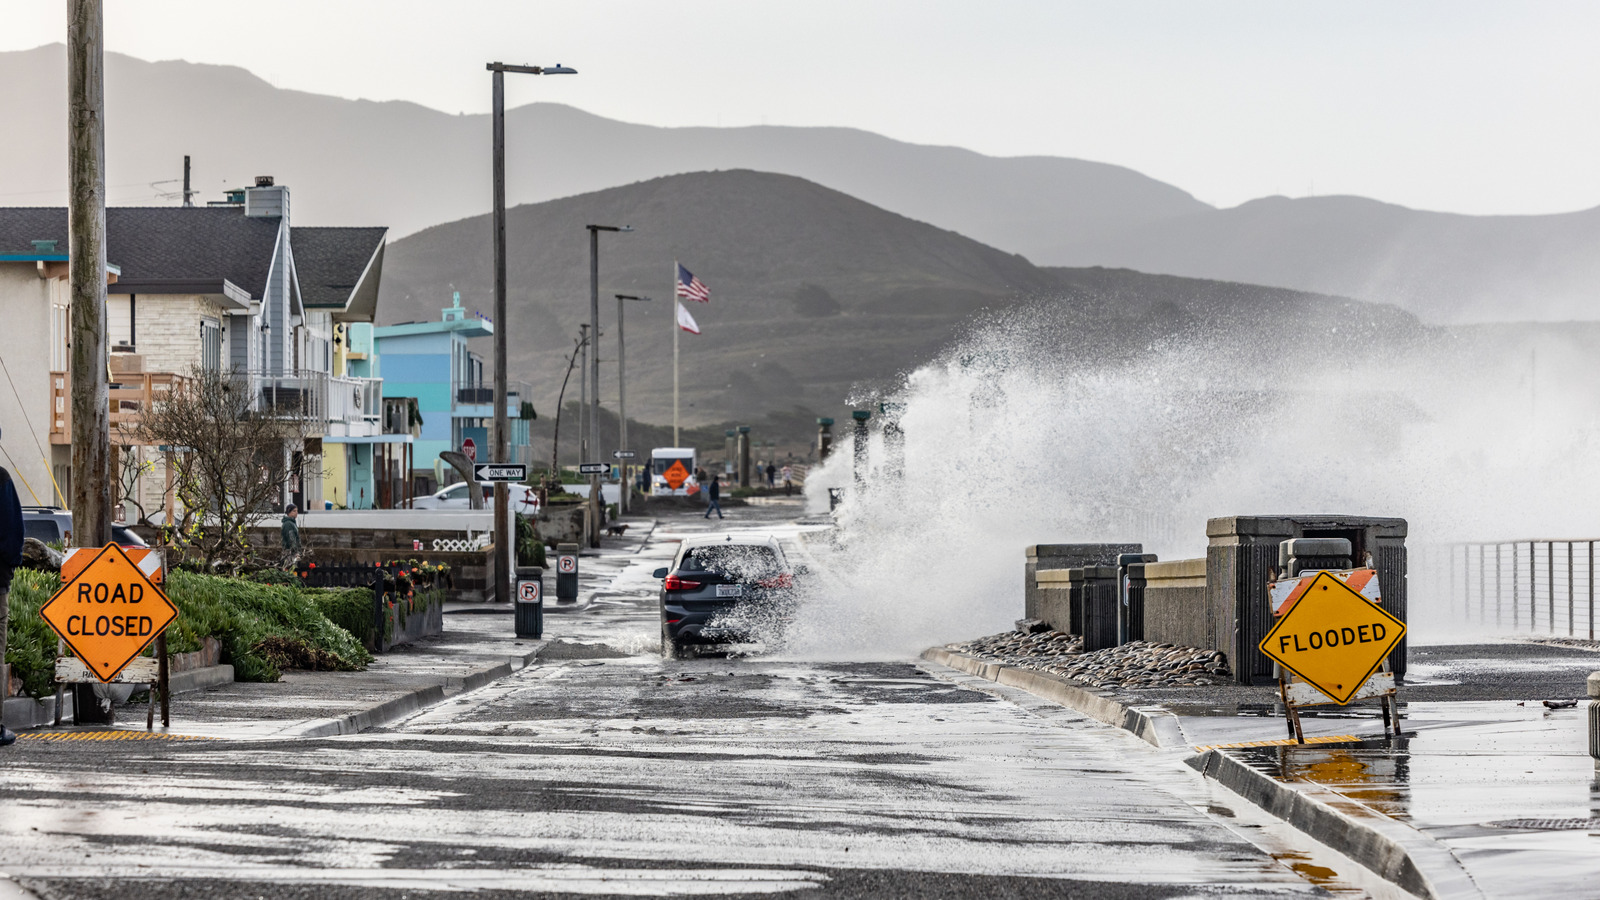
{"x":406,"y":166}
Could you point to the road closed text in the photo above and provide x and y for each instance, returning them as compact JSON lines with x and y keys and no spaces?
{"x":1332,"y":637}
{"x":110,"y":626}
{"x":100,"y":592}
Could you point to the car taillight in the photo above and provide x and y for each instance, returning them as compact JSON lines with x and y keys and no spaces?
{"x":778,"y":581}
{"x":674,"y":583}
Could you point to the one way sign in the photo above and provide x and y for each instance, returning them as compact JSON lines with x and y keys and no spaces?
{"x":492,"y":472}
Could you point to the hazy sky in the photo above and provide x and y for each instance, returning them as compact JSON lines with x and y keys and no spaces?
{"x":1456,"y":105}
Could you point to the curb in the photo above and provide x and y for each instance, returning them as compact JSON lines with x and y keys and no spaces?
{"x":1153,"y":724}
{"x":200,"y":679}
{"x":25,"y":713}
{"x":410,"y":702}
{"x":1390,"y":849}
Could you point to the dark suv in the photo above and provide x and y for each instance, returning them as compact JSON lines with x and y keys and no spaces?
{"x":725,"y":590}
{"x":53,"y":525}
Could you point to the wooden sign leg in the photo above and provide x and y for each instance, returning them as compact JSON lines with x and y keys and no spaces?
{"x":1296,"y":730}
{"x":166,"y":682}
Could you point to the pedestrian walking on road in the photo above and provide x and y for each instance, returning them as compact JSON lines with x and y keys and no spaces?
{"x":291,"y":533}
{"x":714,"y":494}
{"x":10,"y":558}
{"x":772,"y":475}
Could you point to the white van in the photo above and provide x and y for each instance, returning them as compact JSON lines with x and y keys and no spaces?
{"x":672,"y":472}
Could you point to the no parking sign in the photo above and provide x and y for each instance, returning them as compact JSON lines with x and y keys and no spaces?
{"x":567,"y":565}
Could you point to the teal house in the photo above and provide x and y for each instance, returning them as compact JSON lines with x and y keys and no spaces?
{"x":453,"y":389}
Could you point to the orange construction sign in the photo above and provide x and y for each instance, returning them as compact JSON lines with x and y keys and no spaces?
{"x":676,"y":474}
{"x":108,"y":611}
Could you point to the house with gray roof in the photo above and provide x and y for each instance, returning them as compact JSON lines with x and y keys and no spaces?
{"x":232,"y":285}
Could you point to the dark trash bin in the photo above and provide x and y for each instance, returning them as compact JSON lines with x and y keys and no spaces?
{"x":566,"y":573}
{"x":528,"y":602}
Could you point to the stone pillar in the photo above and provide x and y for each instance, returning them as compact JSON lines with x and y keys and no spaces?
{"x":824,"y":439}
{"x":744,"y":456}
{"x":861,"y":416}
{"x":894,"y":439}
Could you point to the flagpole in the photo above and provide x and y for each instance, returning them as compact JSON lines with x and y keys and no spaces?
{"x":675,"y":329}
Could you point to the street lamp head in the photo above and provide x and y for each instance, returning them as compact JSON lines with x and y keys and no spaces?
{"x":609,"y":227}
{"x":557,"y":69}
{"x":629,"y":297}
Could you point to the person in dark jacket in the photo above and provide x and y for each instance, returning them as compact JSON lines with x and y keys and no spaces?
{"x":10,"y":558}
{"x":714,"y":493}
{"x":291,"y":531}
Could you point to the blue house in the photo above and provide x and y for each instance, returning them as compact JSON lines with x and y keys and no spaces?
{"x":454,"y":393}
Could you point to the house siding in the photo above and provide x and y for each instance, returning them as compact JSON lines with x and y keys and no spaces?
{"x":25,"y":424}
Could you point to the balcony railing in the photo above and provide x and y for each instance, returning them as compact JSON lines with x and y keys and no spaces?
{"x":128,"y":398}
{"x":312,"y":397}
{"x":352,"y":399}
{"x":483,"y":395}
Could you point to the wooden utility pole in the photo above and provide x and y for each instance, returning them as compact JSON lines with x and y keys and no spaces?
{"x":86,"y":239}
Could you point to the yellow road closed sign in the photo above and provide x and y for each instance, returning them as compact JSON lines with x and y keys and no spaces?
{"x":1333,"y":637}
{"x":109,"y":612}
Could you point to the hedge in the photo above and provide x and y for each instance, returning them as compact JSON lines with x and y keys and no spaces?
{"x":263,"y":628}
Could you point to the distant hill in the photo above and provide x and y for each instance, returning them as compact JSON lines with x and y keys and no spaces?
{"x":813,"y":293}
{"x":352,"y":162}
{"x":1443,"y":267}
{"x":355,"y":162}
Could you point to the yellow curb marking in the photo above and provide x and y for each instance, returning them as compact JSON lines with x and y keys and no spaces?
{"x":1284,"y":742}
{"x":113,"y":735}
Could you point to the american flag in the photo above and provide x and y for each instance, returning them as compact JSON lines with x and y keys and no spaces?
{"x":691,"y":288}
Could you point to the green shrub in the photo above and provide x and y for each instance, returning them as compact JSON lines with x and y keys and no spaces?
{"x":275,"y":576}
{"x":31,"y":645}
{"x":349,"y":608}
{"x":243,"y":615}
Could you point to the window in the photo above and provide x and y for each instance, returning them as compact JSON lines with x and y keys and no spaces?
{"x":210,"y":345}
{"x":120,"y":312}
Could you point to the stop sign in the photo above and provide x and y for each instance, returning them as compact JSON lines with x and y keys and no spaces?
{"x":470,"y":448}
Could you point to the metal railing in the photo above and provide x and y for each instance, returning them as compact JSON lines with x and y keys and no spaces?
{"x":1542,"y":586}
{"x":353,"y":399}
{"x":300,"y":394}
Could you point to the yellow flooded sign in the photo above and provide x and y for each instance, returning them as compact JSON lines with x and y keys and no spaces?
{"x":1332,"y":637}
{"x":109,"y":612}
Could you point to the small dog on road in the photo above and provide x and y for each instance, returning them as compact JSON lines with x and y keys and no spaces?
{"x":616,"y":530}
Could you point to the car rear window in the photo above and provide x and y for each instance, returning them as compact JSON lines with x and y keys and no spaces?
{"x":40,"y":529}
{"x":737,"y":561}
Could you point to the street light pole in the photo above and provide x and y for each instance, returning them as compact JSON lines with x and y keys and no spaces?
{"x":501,"y":441}
{"x":622,"y":400}
{"x":594,"y":373}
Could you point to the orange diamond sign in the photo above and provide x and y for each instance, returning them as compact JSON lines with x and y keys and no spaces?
{"x":1333,"y":637}
{"x":109,"y":612}
{"x":676,"y":474}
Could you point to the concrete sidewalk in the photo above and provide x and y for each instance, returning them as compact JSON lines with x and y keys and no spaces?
{"x":473,"y":651}
{"x":1486,"y":793}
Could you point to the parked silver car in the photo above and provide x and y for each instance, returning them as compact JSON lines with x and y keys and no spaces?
{"x":524,"y":499}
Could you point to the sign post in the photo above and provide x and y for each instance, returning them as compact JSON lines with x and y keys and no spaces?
{"x":110,"y":607}
{"x":1331,"y":642}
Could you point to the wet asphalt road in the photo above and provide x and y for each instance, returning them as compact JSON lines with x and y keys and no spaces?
{"x":632,"y":775}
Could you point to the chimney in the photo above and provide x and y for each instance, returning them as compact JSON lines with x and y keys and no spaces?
{"x":267,"y":199}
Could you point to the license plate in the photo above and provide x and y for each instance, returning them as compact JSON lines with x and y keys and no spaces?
{"x":730,"y":590}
